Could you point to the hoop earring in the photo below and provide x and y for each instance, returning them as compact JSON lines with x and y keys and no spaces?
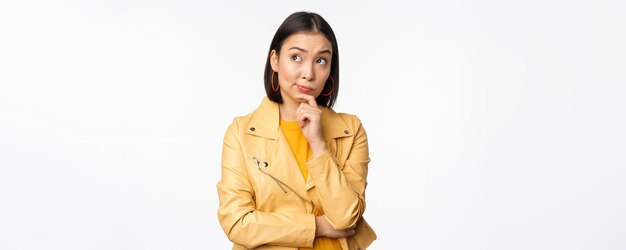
{"x":272,"y":82}
{"x":333,"y":87}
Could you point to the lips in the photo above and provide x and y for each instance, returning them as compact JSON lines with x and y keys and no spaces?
{"x":304,"y":90}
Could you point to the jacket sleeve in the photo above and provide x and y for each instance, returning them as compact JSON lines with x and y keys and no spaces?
{"x":237,"y":215}
{"x":342,"y":191}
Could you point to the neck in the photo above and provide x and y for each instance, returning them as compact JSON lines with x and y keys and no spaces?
{"x":288,"y":110}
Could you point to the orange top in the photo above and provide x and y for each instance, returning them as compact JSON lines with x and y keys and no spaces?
{"x":302,"y":152}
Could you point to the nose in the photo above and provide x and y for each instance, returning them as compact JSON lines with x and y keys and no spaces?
{"x":308,"y":72}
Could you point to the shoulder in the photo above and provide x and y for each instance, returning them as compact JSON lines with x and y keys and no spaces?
{"x":335,"y":120}
{"x":351,"y":120}
{"x":240,"y":122}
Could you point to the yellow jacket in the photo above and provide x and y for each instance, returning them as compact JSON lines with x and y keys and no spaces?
{"x":265,"y":203}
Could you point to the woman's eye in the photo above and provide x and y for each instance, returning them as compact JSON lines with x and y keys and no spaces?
{"x":296,"y":58}
{"x":321,"y":61}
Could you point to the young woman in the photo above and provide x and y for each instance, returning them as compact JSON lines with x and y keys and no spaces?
{"x":294,"y":171}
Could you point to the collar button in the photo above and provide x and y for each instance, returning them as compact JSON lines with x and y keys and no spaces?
{"x":252,"y":129}
{"x":346,"y":132}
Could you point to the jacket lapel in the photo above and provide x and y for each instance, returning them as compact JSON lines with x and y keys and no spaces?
{"x":275,"y":150}
{"x":281,"y":163}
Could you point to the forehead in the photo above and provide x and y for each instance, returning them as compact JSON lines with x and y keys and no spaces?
{"x":310,"y":41}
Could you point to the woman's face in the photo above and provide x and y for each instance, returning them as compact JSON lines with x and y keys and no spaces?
{"x":302,"y":65}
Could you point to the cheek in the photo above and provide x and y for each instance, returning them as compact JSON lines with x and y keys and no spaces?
{"x":324,"y":74}
{"x":286,"y":71}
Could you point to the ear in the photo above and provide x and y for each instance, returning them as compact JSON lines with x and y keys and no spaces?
{"x":274,"y":60}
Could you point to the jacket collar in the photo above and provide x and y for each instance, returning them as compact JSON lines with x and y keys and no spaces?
{"x":265,"y":122}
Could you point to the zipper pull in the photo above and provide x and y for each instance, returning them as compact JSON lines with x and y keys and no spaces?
{"x":258,"y":162}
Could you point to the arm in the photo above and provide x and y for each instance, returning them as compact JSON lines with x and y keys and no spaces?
{"x":237,"y":215}
{"x":342,"y":192}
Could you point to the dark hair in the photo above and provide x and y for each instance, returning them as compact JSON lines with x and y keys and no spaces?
{"x":305,"y":22}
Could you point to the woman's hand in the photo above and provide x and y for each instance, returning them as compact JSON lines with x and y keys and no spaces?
{"x":324,"y":229}
{"x":309,"y":117}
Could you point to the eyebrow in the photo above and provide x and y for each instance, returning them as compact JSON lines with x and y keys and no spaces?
{"x":305,"y":51}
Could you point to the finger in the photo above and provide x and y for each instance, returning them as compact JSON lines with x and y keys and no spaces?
{"x":315,"y":111}
{"x":342,"y":234}
{"x":349,"y":232}
{"x":302,"y":118}
{"x":309,"y":98}
{"x":306,"y":108}
{"x":313,"y":115}
{"x":305,"y":111}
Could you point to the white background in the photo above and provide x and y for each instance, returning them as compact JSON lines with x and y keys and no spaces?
{"x":492,"y":124}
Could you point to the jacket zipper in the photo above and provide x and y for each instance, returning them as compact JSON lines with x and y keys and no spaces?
{"x":280,"y":184}
{"x":258,"y":164}
{"x":275,"y":180}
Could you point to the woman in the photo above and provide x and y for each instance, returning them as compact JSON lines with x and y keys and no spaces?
{"x":294,"y":171}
